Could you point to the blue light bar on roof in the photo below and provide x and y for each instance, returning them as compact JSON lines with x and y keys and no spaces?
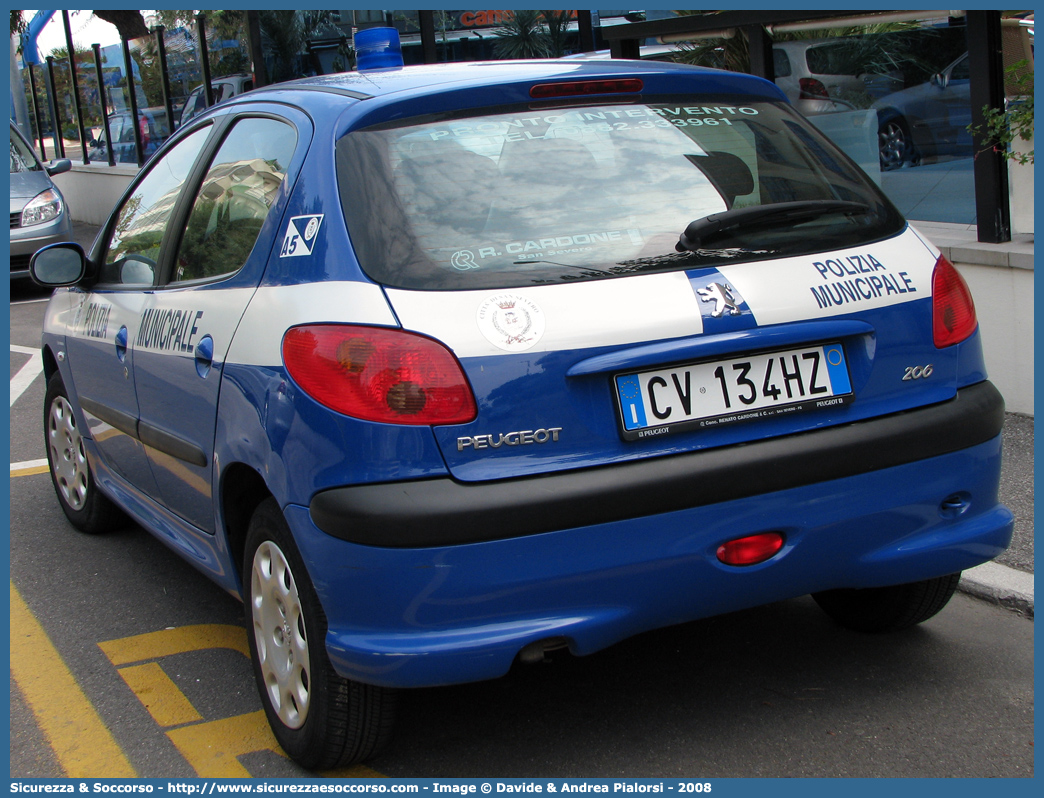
{"x":377,"y":48}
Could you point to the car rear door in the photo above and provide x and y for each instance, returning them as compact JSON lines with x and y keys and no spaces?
{"x":228,"y":227}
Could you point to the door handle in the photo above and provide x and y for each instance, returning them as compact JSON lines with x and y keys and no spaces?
{"x":204,"y":355}
{"x":121,"y":344}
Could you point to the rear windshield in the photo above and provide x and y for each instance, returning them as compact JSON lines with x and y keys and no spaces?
{"x":525,"y":196}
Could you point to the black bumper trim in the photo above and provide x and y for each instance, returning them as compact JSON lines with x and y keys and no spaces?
{"x":444,"y":512}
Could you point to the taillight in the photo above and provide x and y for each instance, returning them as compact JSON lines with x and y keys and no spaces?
{"x":379,"y":374}
{"x":953,"y":311}
{"x":576,"y":88}
{"x":812,"y":89}
{"x":750,"y":550}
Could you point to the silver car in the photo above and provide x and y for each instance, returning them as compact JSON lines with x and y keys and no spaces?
{"x":39,"y":215}
{"x":823,"y":76}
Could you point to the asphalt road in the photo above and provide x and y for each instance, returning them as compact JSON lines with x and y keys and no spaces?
{"x":134,"y":648}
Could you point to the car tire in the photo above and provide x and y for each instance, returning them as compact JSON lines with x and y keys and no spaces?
{"x":888,"y":609}
{"x":895,"y":144}
{"x":86,"y":507}
{"x":320,"y":719}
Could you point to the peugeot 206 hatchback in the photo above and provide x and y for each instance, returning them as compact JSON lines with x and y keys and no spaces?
{"x":439,"y":368}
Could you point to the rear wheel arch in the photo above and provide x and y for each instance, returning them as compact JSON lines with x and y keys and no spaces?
{"x":242,"y":490}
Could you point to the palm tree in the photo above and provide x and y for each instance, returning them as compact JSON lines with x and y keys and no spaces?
{"x":522,"y":37}
{"x":557,"y":32}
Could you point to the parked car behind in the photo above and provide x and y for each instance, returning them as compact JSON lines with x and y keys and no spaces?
{"x":822,"y":76}
{"x":927,"y":120}
{"x":39,"y":215}
{"x":440,"y":368}
{"x":224,"y":88}
{"x":152,"y":123}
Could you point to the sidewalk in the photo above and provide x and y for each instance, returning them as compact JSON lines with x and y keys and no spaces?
{"x":1009,"y":579}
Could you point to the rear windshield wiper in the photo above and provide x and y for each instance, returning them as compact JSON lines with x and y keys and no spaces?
{"x":778,"y":213}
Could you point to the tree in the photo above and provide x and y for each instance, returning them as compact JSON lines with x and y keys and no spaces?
{"x":1015,"y":121}
{"x":522,"y":37}
{"x":130,"y":24}
{"x":287,"y":32}
{"x":558,"y":35}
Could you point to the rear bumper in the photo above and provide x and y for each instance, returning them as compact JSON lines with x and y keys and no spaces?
{"x":444,"y":512}
{"x":415,"y":617}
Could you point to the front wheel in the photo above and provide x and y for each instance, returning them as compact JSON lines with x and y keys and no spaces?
{"x":888,"y":609}
{"x":320,"y":719}
{"x":84,"y":505}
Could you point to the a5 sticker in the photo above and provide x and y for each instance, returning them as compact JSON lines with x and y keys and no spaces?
{"x":301,"y":235}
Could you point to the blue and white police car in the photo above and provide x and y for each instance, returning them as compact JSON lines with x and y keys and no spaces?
{"x":439,"y":368}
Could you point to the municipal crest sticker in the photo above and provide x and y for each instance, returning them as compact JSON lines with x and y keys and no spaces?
{"x":301,"y":235}
{"x":511,"y":322}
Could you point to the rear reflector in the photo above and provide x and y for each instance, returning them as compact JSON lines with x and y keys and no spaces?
{"x":379,"y":374}
{"x":750,"y":550}
{"x":953,"y":311}
{"x":579,"y":88}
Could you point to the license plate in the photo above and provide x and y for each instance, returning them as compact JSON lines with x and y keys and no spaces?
{"x":745,"y":388}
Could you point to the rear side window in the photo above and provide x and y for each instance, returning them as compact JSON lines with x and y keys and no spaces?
{"x":233,"y":201}
{"x":780,"y":64}
{"x":523,"y":197}
{"x":843,"y":58}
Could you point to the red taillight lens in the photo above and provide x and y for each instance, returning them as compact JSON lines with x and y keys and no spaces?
{"x":953,"y":311}
{"x":546,"y":91}
{"x":750,"y":550}
{"x":812,"y":89}
{"x":379,"y":374}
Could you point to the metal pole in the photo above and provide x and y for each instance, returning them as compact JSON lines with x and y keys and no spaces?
{"x":75,"y":86}
{"x":139,"y":151}
{"x":427,"y":33}
{"x":986,"y":63}
{"x":759,"y":48}
{"x":36,"y":111}
{"x":201,"y":28}
{"x":257,"y":55}
{"x":161,"y":48}
{"x":104,"y":102}
{"x":59,"y":143}
{"x":585,"y":27}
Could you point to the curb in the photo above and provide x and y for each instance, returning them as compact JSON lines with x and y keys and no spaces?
{"x":1001,"y":585}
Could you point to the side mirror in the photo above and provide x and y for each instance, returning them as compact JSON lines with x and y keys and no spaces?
{"x":58,"y":265}
{"x":58,"y":167}
{"x":940,"y":80}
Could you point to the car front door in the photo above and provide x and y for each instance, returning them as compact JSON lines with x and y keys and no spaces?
{"x":99,"y":345}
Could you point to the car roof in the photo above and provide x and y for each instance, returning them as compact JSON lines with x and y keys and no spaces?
{"x":433,"y":77}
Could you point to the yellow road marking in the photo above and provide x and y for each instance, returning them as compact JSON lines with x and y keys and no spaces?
{"x":212,"y":748}
{"x":28,"y":472}
{"x":79,"y":738}
{"x":154,"y":645}
{"x":27,"y":467}
{"x":160,"y":696}
{"x":353,"y":772}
